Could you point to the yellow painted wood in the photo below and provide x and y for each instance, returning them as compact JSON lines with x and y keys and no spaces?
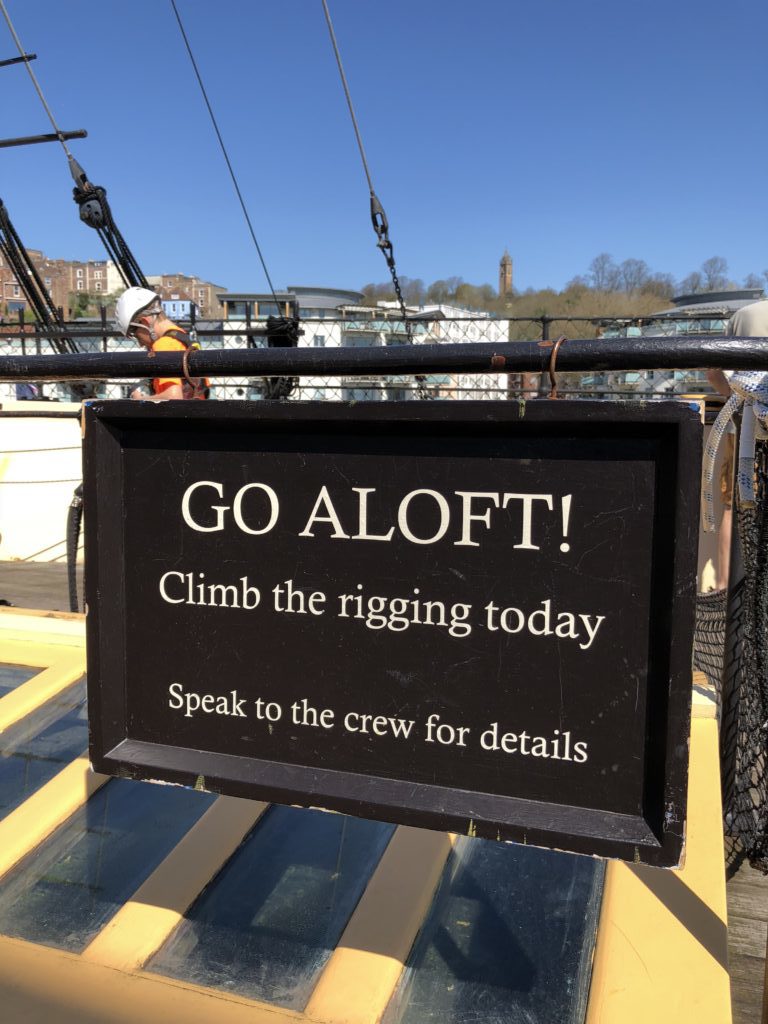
{"x":51,"y":628}
{"x":28,"y":655}
{"x":363,"y":971}
{"x":662,"y":942}
{"x":26,"y":827}
{"x":661,"y":948}
{"x":49,"y":986}
{"x":704,"y":697}
{"x":143,"y":924}
{"x":31,"y":652}
{"x":68,"y":666}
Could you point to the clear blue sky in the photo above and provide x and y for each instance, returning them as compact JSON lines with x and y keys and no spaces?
{"x":557,"y":129}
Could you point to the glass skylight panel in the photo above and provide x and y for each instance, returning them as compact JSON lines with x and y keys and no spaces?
{"x":40,"y":745}
{"x":12,"y":676}
{"x":508,"y":940}
{"x":266,"y":926}
{"x":64,"y":892}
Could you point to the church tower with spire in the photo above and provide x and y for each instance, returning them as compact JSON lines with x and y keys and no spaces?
{"x":505,"y":275}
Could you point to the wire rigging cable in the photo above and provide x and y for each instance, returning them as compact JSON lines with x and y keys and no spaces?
{"x":378,"y":216}
{"x":223,"y":150}
{"x":31,"y":284}
{"x":348,"y":96}
{"x":91,"y":199}
{"x":23,"y":56}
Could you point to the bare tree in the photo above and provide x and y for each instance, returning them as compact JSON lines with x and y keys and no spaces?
{"x":603,"y":273}
{"x":692,"y":284}
{"x":715,"y":273}
{"x":633,"y":274}
{"x":438,"y":292}
{"x":662,"y":285}
{"x":753,"y":281}
{"x":373,"y":293}
{"x":578,"y":283}
{"x":413,"y":290}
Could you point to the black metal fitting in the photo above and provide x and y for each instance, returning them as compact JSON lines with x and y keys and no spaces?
{"x":282,"y":332}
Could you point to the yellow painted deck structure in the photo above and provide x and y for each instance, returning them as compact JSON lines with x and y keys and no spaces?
{"x":660,"y":952}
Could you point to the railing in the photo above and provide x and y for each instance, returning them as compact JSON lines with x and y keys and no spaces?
{"x":366,"y":356}
{"x":579,"y":354}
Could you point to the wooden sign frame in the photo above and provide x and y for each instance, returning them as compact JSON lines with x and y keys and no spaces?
{"x":485,"y":474}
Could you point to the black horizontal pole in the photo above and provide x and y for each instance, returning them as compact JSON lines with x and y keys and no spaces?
{"x":505,"y":357}
{"x":31,"y":140}
{"x":18,"y":60}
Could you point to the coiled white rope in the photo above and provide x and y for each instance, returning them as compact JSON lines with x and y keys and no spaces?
{"x":750,"y":394}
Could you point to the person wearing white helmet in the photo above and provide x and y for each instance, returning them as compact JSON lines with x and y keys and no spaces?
{"x":139,"y":314}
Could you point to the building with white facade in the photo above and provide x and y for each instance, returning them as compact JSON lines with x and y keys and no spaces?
{"x":335,"y":318}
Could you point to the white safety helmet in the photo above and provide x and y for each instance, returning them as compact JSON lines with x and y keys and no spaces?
{"x":131,"y":303}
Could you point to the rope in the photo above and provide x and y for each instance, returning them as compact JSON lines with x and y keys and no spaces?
{"x":74,"y":519}
{"x":750,"y":393}
{"x":23,"y":55}
{"x":224,"y":151}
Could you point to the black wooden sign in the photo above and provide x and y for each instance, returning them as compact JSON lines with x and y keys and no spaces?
{"x":470,"y":616}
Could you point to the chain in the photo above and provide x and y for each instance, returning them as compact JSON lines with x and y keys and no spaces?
{"x":378,"y":217}
{"x":381,"y":227}
{"x":421,"y":380}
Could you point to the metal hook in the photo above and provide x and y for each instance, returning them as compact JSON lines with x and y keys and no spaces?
{"x":194,"y":384}
{"x":552,"y":364}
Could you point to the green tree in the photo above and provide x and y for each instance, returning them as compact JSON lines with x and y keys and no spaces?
{"x":84,"y":303}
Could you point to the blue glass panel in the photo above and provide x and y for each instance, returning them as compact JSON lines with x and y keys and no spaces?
{"x":12,"y":676}
{"x":508,"y":940}
{"x":39,"y":746}
{"x":65,"y":891}
{"x":267,"y":925}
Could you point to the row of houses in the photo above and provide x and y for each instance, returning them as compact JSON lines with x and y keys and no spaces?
{"x":72,"y":284}
{"x":63,"y":280}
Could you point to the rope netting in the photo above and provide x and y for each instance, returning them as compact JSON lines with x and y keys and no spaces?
{"x":744,"y":721}
{"x":709,"y":637}
{"x":731,"y":648}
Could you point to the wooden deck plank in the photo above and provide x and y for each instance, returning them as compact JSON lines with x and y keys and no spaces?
{"x":746,"y":988}
{"x":747,"y":896}
{"x":42,"y":585}
{"x":746,"y":936}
